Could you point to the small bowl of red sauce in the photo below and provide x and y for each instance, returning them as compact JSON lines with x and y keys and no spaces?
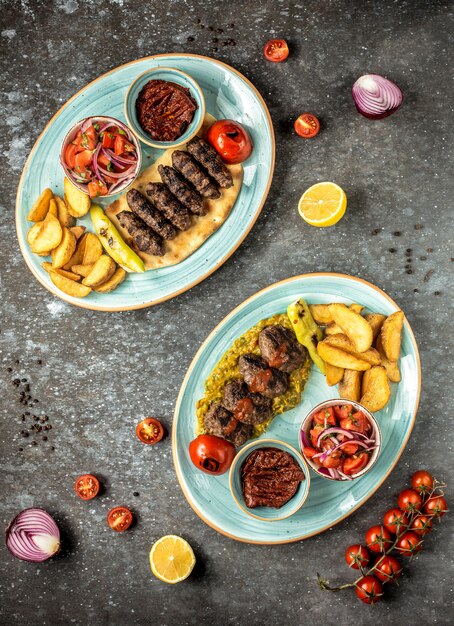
{"x":269,"y":480}
{"x":100,"y":156}
{"x":165,"y":107}
{"x":340,"y":439}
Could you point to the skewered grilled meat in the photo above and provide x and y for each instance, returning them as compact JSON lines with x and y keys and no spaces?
{"x":190,"y":198}
{"x":149,"y":214}
{"x":262,"y":378}
{"x":211,"y":161}
{"x":185,"y":164}
{"x":247,"y":407}
{"x":166,"y":202}
{"x":220,"y":422}
{"x":145,"y":239}
{"x":280,"y":348}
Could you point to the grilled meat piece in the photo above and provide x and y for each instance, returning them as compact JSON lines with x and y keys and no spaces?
{"x":247,"y":407}
{"x":262,"y":378}
{"x":145,"y":239}
{"x":220,"y":422}
{"x":166,"y":202}
{"x":211,"y":161}
{"x":280,"y":348}
{"x":185,"y":164}
{"x":190,"y":198}
{"x":149,"y":214}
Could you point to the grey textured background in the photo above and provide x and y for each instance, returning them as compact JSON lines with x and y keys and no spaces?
{"x":101,"y":373}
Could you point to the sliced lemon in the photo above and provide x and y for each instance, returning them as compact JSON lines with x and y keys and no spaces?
{"x":172,"y":559}
{"x":322,"y":204}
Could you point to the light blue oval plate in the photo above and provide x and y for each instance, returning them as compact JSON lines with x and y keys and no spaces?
{"x":329,"y":502}
{"x":228,"y":94}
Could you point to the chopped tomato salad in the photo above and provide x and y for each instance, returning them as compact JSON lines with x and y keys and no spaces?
{"x":101,"y":158}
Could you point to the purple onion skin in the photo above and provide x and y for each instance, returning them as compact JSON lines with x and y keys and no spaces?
{"x":378,"y":116}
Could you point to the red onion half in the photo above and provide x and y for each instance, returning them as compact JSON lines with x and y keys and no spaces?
{"x":33,"y":536}
{"x":376,"y":97}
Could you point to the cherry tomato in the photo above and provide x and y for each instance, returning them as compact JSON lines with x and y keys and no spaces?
{"x":436,"y":506}
{"x":356,"y":556}
{"x":422,"y":481}
{"x":326,"y":416}
{"x":307,"y":126}
{"x":378,"y":539}
{"x":230,"y":140}
{"x":97,"y":188}
{"x":387,"y":569}
{"x":83,"y":158}
{"x":70,"y":155}
{"x":343,"y":411}
{"x":150,"y":430}
{"x":356,"y":463}
{"x":211,"y":454}
{"x":276,"y":50}
{"x":409,"y":500}
{"x":119,"y":519}
{"x":395,"y":521}
{"x":369,"y":590}
{"x":87,"y":486}
{"x":421,"y":525}
{"x":409,"y":543}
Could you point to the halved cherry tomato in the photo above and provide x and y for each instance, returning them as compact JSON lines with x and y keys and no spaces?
{"x":307,"y":126}
{"x":436,"y":506}
{"x":230,"y":140}
{"x":387,"y":569}
{"x":70,"y":155}
{"x":87,"y":486}
{"x":421,"y":525}
{"x":378,"y":539}
{"x":369,"y":590}
{"x":119,"y":144}
{"x":409,"y":543}
{"x":150,"y":430}
{"x":422,"y":481}
{"x":276,"y":50}
{"x":356,"y":556}
{"x":84,"y":158}
{"x":342,"y":411}
{"x":108,"y":139}
{"x":354,"y":464}
{"x":97,"y":188}
{"x":119,"y":519}
{"x":395,"y":520}
{"x":325,"y":416}
{"x":409,"y":500}
{"x":211,"y":454}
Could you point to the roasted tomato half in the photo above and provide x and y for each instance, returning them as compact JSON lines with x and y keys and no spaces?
{"x":87,"y":487}
{"x":150,"y":430}
{"x":307,"y":126}
{"x":231,"y":140}
{"x":276,"y":50}
{"x":211,"y":454}
{"x":119,"y":519}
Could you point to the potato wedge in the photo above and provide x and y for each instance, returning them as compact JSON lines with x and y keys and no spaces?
{"x":334,"y":329}
{"x":376,"y":389}
{"x":78,"y":256}
{"x":70,"y":275}
{"x":102,"y":270}
{"x":52,"y":208}
{"x":344,"y":343}
{"x":47,"y":236}
{"x":375,"y":321}
{"x":333,"y":374}
{"x":63,"y":214}
{"x":64,"y":251}
{"x":33,"y":233}
{"x":93,"y":249}
{"x":339,"y":358}
{"x":321,"y":314}
{"x":69,"y":286}
{"x":82,"y":270}
{"x":353,"y":325}
{"x":113,"y":282}
{"x":77,"y":231}
{"x":78,"y":203}
{"x":350,"y":385}
{"x":357,"y":308}
{"x":39,"y":210}
{"x":391,"y":367}
{"x":391,"y":335}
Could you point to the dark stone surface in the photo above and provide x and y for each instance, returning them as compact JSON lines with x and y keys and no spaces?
{"x":101,"y":373}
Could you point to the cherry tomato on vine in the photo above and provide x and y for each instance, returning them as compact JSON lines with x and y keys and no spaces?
{"x":87,"y":487}
{"x":422,"y":481}
{"x":369,"y":590}
{"x":307,"y":125}
{"x":211,"y":454}
{"x":409,"y":543}
{"x":378,"y":539}
{"x":119,"y":518}
{"x":356,"y":556}
{"x":436,"y":506}
{"x":409,"y":500}
{"x":421,"y":525}
{"x":150,"y":430}
{"x":276,"y":50}
{"x":395,"y":520}
{"x":387,"y":569}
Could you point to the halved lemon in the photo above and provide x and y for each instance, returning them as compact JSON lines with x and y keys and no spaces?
{"x":172,"y":559}
{"x":322,"y":204}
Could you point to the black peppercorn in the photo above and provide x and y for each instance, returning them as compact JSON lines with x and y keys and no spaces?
{"x":397,"y":233}
{"x":392,"y":250}
{"x":136,"y":494}
{"x":39,"y":361}
{"x":44,"y":438}
{"x":34,"y":443}
{"x":9,"y":369}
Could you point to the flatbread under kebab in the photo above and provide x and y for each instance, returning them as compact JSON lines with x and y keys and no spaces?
{"x":202,"y":226}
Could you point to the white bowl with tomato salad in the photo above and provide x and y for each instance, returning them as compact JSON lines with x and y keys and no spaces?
{"x":340,"y":439}
{"x":100,"y":156}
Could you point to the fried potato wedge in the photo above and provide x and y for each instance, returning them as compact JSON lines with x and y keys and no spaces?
{"x":77,"y":231}
{"x":45,"y":235}
{"x":357,"y":308}
{"x":92,"y":250}
{"x":321,"y":314}
{"x":39,"y":210}
{"x":82,"y":270}
{"x":375,"y":321}
{"x":353,"y":325}
{"x":391,"y":335}
{"x":52,"y":208}
{"x":391,"y":367}
{"x":113,"y":282}
{"x":63,"y":214}
{"x":350,"y":385}
{"x":340,"y":358}
{"x":102,"y":270}
{"x":78,"y":203}
{"x":66,"y":248}
{"x":344,"y":343}
{"x":376,"y":389}
{"x":333,"y":374}
{"x":69,"y":287}
{"x":78,"y":256}
{"x":334,"y":329}
{"x":70,"y":275}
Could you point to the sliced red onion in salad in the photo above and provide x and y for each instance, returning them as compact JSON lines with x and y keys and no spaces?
{"x":33,"y":536}
{"x":376,"y":97}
